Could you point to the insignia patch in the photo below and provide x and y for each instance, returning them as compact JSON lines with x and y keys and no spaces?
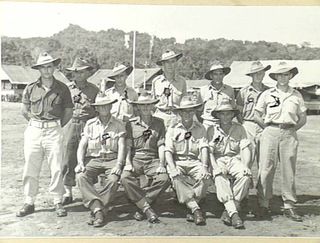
{"x":277,"y":101}
{"x":187,"y":135}
{"x":147,"y":134}
{"x":104,"y":137}
{"x":167,"y":92}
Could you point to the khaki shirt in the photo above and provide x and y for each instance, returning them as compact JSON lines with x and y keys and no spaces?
{"x":176,"y":90}
{"x":214,"y":97}
{"x":47,"y":104}
{"x":247,"y":99}
{"x":122,"y":109}
{"x":145,"y":140}
{"x":183,"y":148}
{"x":82,"y":100}
{"x":281,"y":107}
{"x":222,"y":144}
{"x":103,"y":139}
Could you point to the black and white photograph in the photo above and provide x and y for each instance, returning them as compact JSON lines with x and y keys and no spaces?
{"x":131,"y":120}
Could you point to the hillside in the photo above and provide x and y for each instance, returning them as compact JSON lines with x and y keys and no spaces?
{"x":104,"y":48}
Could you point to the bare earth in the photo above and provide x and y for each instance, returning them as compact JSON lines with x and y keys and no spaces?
{"x":44,"y":222}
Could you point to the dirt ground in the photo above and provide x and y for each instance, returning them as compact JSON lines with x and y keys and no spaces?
{"x":44,"y":223}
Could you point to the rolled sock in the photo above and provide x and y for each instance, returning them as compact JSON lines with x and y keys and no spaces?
{"x":29,"y":200}
{"x":57,"y":199}
{"x":143,"y":204}
{"x":68,"y":190}
{"x":230,"y":207}
{"x":192,"y":205}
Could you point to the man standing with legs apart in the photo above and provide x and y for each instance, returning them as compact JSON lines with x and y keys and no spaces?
{"x":47,"y":105}
{"x":187,"y":156}
{"x":83,"y":94}
{"x":103,"y":143}
{"x":281,"y":112}
{"x":145,"y":157}
{"x":169,"y":87}
{"x":230,"y":155}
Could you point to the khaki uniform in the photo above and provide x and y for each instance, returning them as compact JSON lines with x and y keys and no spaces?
{"x":103,"y":157}
{"x":212,"y":98}
{"x":246,"y":101}
{"x":279,"y":143}
{"x":122,"y":109}
{"x":186,"y":154}
{"x":234,"y":186}
{"x":43,"y":137}
{"x":144,"y":142}
{"x":82,"y":112}
{"x":175,"y":91}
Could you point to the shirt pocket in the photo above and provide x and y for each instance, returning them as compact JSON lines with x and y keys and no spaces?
{"x":292,"y":106}
{"x":194,"y":145}
{"x":94,"y":143}
{"x":179,"y":145}
{"x":55,"y":100}
{"x":36,"y":104}
{"x":234,"y":145}
{"x":112,"y":142}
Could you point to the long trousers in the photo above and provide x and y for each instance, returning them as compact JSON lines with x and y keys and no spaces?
{"x":157,"y":182}
{"x":277,"y":145}
{"x":87,"y":179}
{"x":72,"y":136}
{"x":41,"y":143}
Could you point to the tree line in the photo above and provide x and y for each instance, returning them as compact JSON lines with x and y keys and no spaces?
{"x":104,"y":48}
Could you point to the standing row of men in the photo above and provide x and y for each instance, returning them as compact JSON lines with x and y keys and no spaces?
{"x":167,"y":135}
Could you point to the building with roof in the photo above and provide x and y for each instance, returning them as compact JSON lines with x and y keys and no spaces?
{"x":15,"y":78}
{"x":142,"y":77}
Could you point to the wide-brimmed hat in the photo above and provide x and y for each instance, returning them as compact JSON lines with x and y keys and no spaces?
{"x":188,"y":102}
{"x":79,"y":64}
{"x":167,"y":56}
{"x":257,"y":66}
{"x":103,"y":100}
{"x":45,"y":58}
{"x":217,"y":65}
{"x":144,"y":99}
{"x":224,"y":106}
{"x":120,"y":68}
{"x":283,"y":67}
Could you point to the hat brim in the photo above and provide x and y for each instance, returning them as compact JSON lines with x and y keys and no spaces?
{"x":128,"y":70}
{"x":146,"y":102}
{"x":177,"y":56}
{"x":235,"y":111}
{"x":55,"y":61}
{"x":266,"y":68}
{"x":195,"y":106}
{"x":292,"y":70}
{"x":79,"y":68}
{"x":107,"y":102}
{"x":226,"y":71}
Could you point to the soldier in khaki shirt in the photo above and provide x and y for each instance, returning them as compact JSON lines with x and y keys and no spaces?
{"x":230,"y":155}
{"x":122,"y":109}
{"x":186,"y":151}
{"x":103,"y":142}
{"x":281,"y":112}
{"x":215,"y":93}
{"x":169,"y":87}
{"x":83,"y":95}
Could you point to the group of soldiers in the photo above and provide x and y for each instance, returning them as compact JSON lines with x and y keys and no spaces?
{"x":169,"y":136}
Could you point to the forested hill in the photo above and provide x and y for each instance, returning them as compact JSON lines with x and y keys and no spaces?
{"x":107,"y":47}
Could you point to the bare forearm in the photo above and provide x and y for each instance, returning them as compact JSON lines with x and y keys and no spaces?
{"x":205,"y":157}
{"x":258,"y":119}
{"x":169,"y":159}
{"x":67,"y":114}
{"x":82,"y":151}
{"x":302,"y":121}
{"x":25,"y":110}
{"x":213,"y":162}
{"x":121,"y":151}
{"x":246,"y":157}
{"x":161,"y":155}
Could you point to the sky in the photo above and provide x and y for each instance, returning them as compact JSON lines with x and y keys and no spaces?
{"x":287,"y":25}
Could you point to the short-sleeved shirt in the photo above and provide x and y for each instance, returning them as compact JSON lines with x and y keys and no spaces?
{"x":82,"y":99}
{"x":247,"y":99}
{"x":214,"y":97}
{"x":145,"y":140}
{"x":222,"y":144}
{"x":47,"y":104}
{"x":122,"y":109}
{"x":103,"y":139}
{"x":175,"y":89}
{"x":182,"y":148}
{"x":281,"y":107}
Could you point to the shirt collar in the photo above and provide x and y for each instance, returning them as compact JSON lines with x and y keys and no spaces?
{"x":100,"y":123}
{"x":214,"y":88}
{"x":39,"y":83}
{"x":194,"y":124}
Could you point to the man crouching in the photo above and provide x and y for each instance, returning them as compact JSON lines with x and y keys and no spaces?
{"x":103,"y":142}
